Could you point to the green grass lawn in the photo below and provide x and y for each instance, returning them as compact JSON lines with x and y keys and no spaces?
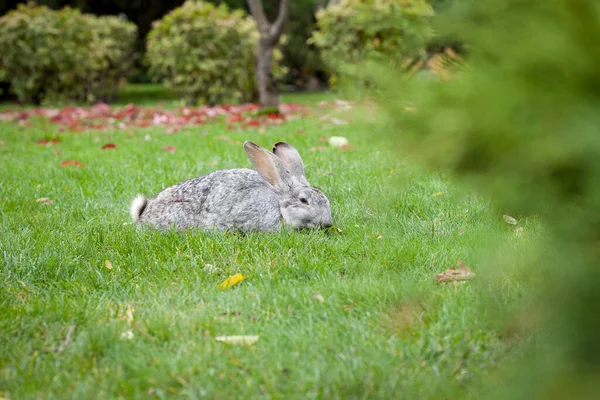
{"x":351,"y":313}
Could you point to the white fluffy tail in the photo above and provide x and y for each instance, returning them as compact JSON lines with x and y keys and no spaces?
{"x":137,"y":207}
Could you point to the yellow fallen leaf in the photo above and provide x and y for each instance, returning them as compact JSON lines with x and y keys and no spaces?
{"x":235,"y":361}
{"x":238,"y":340}
{"x":108,"y":264}
{"x":509,"y":220}
{"x":318,"y":297}
{"x":438,"y":194}
{"x":229,"y":282}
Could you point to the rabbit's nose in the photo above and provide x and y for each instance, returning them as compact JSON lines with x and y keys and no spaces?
{"x":327,"y":224}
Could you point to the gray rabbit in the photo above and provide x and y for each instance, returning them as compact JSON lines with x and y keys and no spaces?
{"x":274,"y":196}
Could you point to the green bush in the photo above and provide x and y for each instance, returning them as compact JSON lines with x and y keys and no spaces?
{"x":353,"y":31}
{"x":113,"y":49}
{"x":63,"y":55}
{"x":206,"y":53}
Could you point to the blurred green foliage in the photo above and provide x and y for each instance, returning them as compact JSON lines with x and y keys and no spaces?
{"x":521,"y":124}
{"x":64,"y":55}
{"x":353,"y":31}
{"x":301,"y":60}
{"x":206,"y":53}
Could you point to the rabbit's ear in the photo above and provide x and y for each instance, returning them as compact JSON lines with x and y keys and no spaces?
{"x":291,"y":159}
{"x":268,"y":166}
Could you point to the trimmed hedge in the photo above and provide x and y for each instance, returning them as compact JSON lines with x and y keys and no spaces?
{"x":64,"y":55}
{"x":353,"y":31}
{"x":206,"y":53}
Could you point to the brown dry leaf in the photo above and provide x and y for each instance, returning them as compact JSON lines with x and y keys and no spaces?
{"x":509,"y":220}
{"x":108,"y":264}
{"x":43,"y":200}
{"x":318,"y":297}
{"x":461,"y":272}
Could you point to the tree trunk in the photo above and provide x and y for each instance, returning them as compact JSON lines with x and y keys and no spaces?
{"x":269,"y":38}
{"x":267,"y":86}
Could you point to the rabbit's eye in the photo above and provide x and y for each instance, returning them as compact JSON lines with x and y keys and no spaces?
{"x":303,"y":200}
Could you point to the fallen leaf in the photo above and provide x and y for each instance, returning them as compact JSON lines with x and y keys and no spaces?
{"x":238,"y":340}
{"x":348,"y":307}
{"x":509,"y":220}
{"x":128,"y":334}
{"x":231,"y":281}
{"x":67,"y":339}
{"x":337,"y":121}
{"x":109,"y":146}
{"x":461,"y":272}
{"x":43,"y":200}
{"x":519,"y":231}
{"x":170,"y":149}
{"x":338,"y":142}
{"x":318,"y":297}
{"x":47,"y":142}
{"x":74,"y":163}
{"x":211,"y":269}
{"x":438,"y":194}
{"x":108,"y":264}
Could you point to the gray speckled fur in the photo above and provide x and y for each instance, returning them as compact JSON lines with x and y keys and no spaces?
{"x":220,"y":200}
{"x":241,"y":198}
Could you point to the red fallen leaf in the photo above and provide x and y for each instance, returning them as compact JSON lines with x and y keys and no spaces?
{"x":46,"y":142}
{"x":74,"y":163}
{"x":236,"y":118}
{"x":253,"y":122}
{"x":170,"y":149}
{"x":275,"y":116}
{"x":101,"y":108}
{"x":171,"y":130}
{"x":109,"y":146}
